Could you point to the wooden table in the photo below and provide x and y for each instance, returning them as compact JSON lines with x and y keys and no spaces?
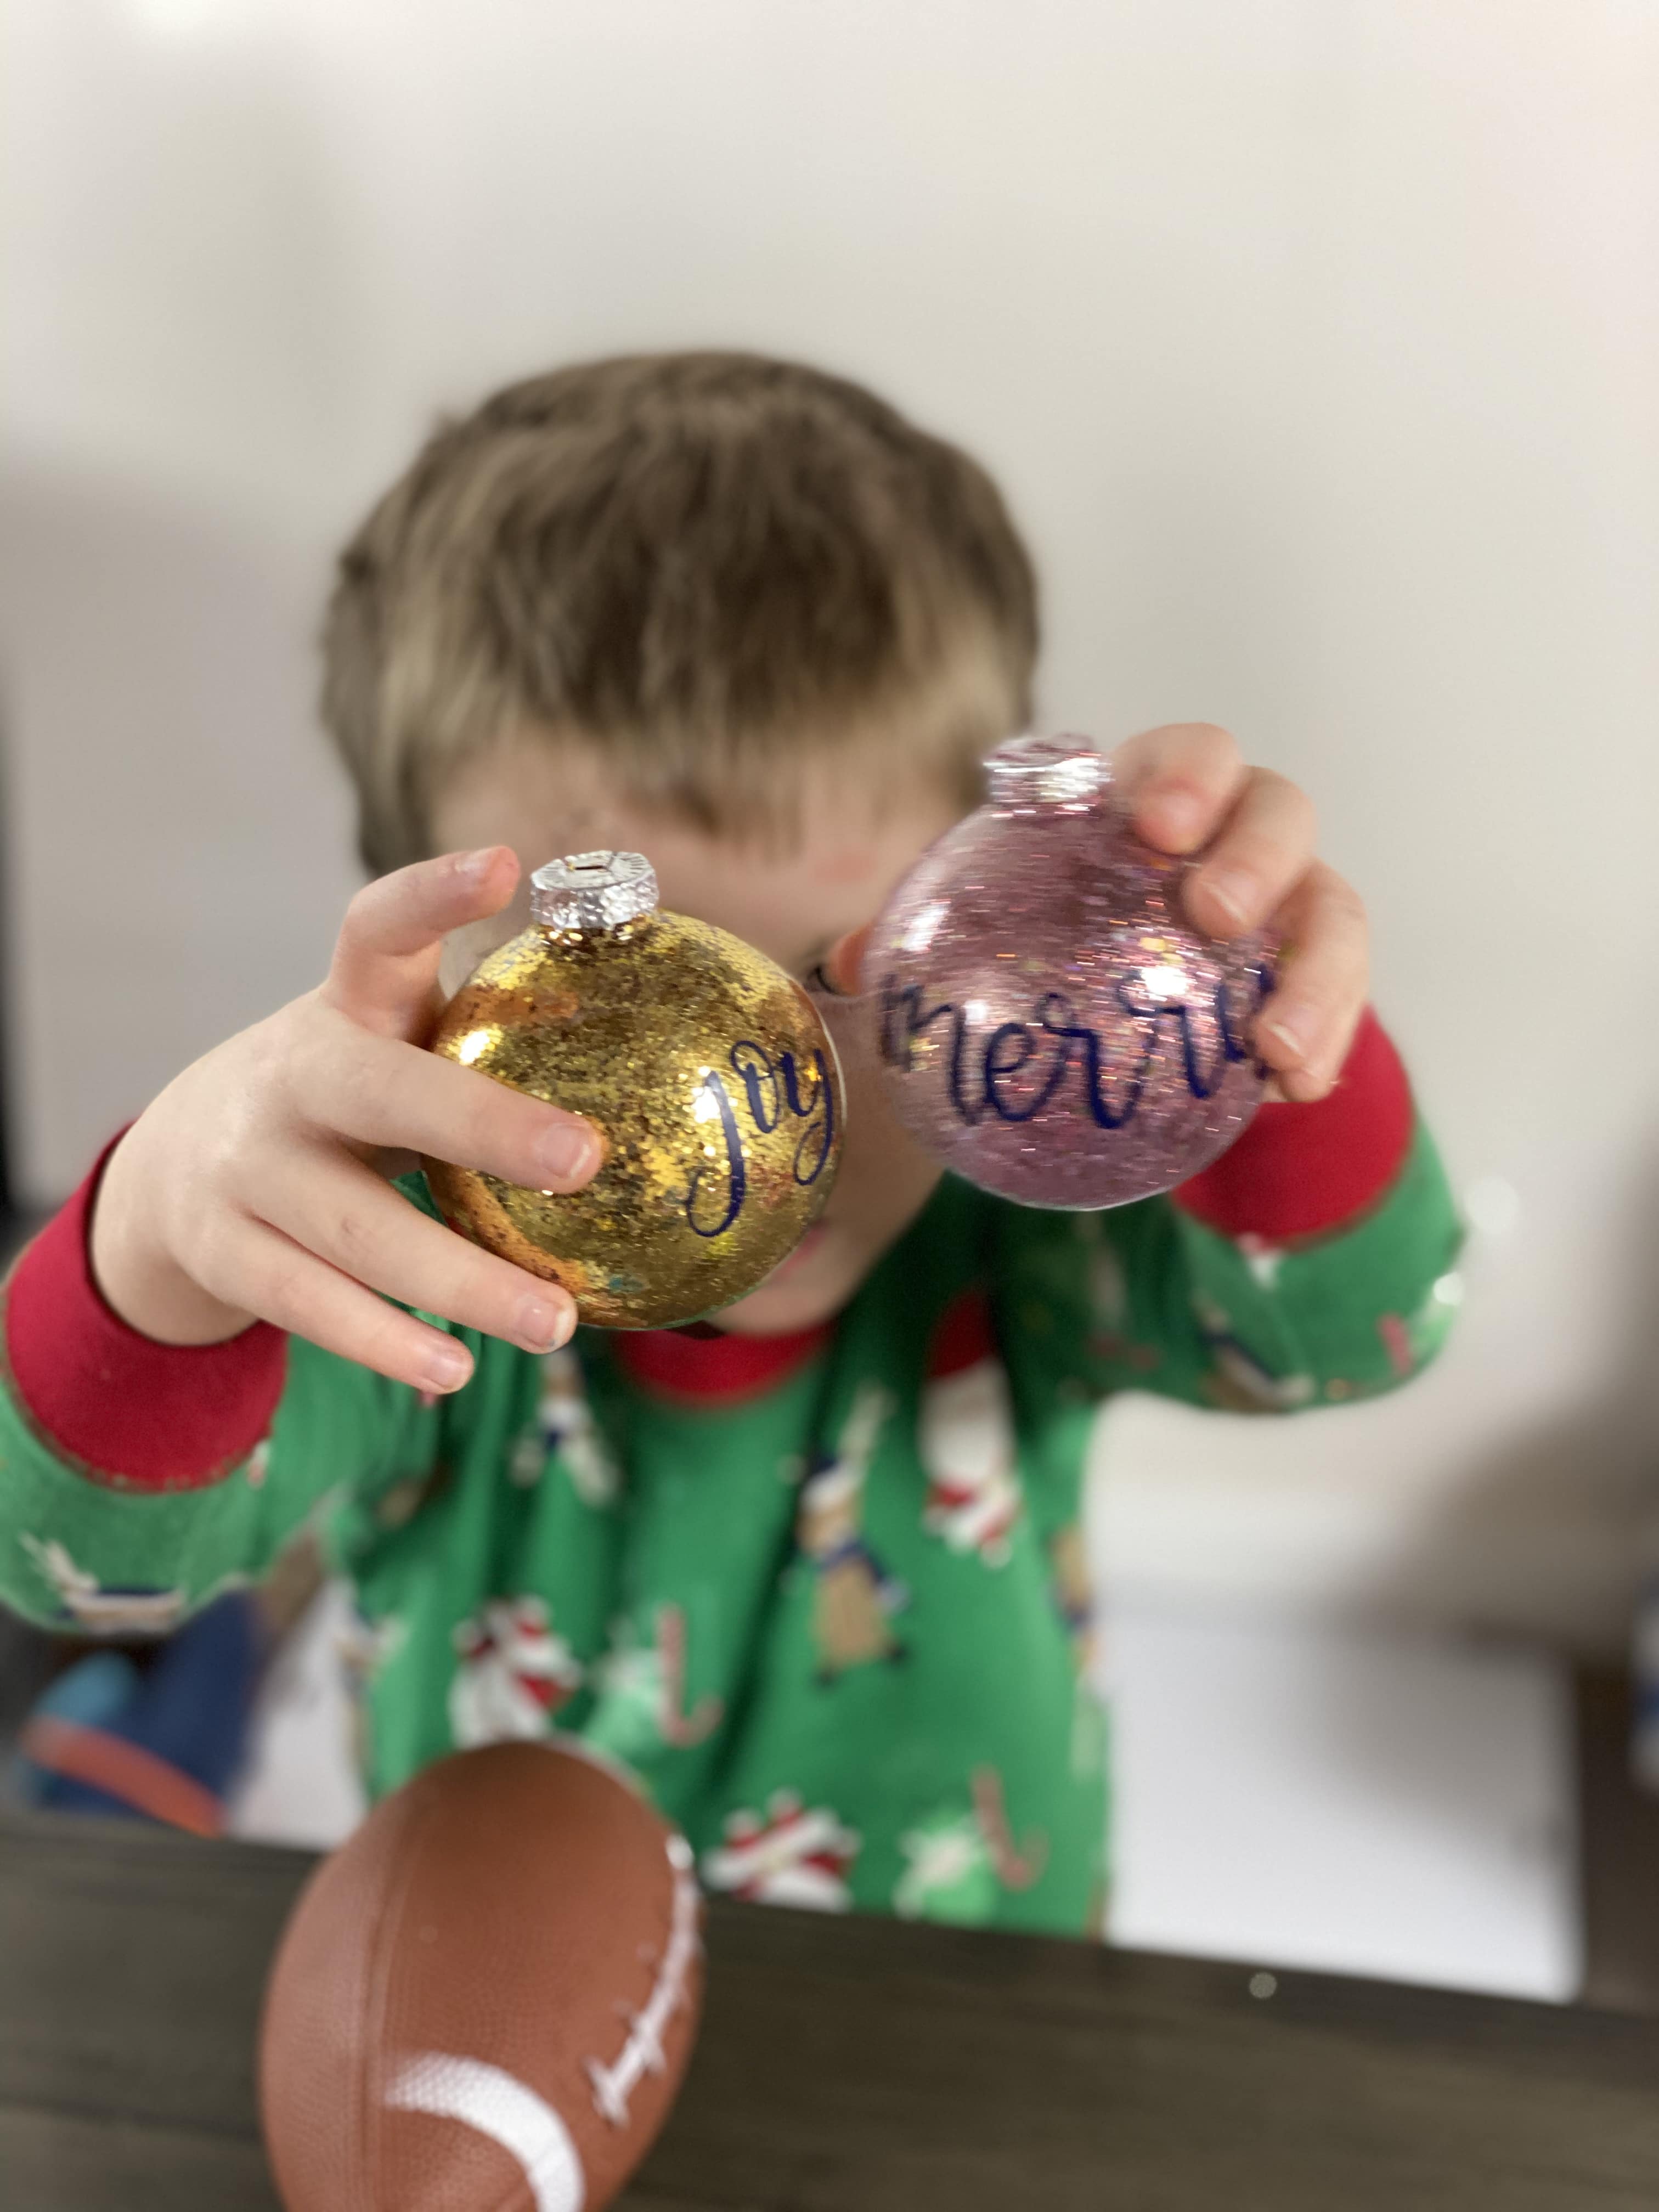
{"x":845,"y":2065}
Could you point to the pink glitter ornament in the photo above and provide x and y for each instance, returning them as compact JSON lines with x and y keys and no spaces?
{"x":1051,"y":1026}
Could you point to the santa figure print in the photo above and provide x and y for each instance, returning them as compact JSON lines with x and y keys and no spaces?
{"x":966,"y":1436}
{"x":791,"y":1854}
{"x":513,"y":1673}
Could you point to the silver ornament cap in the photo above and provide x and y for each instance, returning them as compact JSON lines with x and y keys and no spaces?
{"x":592,"y":890}
{"x":1031,"y":771}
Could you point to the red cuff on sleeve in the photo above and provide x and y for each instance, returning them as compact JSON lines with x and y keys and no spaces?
{"x":124,"y":1410}
{"x":1302,"y":1171}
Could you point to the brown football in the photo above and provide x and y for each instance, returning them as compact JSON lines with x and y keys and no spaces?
{"x":484,"y":2000}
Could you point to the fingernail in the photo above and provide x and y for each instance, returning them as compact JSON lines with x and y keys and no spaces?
{"x":446,"y":1367}
{"x":565,"y":1155}
{"x":1233,"y":890}
{"x":473,"y":868}
{"x":541,"y":1327}
{"x":1301,"y":1086}
{"x":1301,"y":1034}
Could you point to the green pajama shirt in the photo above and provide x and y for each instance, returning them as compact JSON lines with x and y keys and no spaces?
{"x":836,"y":1618}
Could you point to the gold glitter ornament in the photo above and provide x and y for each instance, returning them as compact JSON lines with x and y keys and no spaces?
{"x":705,"y":1069}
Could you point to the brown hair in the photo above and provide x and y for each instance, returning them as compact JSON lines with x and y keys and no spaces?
{"x":703,"y":564}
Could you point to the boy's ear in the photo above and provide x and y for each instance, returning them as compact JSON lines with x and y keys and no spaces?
{"x":843,"y":961}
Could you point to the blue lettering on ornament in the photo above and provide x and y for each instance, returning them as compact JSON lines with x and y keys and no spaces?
{"x":809,"y":1165}
{"x":770,"y":1092}
{"x":737,"y":1177}
{"x":977,"y":1076}
{"x":1015,"y":1039}
{"x":760,"y":1081}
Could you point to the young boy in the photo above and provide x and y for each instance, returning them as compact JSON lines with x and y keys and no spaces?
{"x":814,"y":1571}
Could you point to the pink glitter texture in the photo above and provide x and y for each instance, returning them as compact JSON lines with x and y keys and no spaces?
{"x":1050,"y":1025}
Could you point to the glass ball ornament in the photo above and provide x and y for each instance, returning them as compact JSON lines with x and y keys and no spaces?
{"x":704,"y":1067}
{"x":1050,"y":1025}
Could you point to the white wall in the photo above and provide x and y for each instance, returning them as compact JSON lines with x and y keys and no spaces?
{"x":1318,"y":343}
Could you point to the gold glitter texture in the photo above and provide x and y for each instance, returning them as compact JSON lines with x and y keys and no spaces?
{"x":711,"y":1080}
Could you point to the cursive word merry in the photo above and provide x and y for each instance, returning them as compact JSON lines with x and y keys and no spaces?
{"x":981,"y":1073}
{"x":770,"y":1089}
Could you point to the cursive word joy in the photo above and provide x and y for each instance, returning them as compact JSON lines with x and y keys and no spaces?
{"x":770,"y":1089}
{"x":1015,"y":1071}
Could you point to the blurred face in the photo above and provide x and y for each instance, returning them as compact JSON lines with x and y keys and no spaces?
{"x":543,"y":801}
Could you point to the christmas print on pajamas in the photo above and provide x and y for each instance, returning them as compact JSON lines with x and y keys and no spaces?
{"x":961,"y":1862}
{"x":966,"y":1436}
{"x":564,"y":1424}
{"x":512,"y":1674}
{"x":791,"y":1854}
{"x":854,"y":1597}
{"x":642,"y":1694}
{"x":826,"y":1595}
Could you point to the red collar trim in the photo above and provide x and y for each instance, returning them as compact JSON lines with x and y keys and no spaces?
{"x":708,"y":1371}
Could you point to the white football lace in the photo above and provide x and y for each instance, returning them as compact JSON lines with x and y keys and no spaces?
{"x":503,"y":2108}
{"x":642,"y":2053}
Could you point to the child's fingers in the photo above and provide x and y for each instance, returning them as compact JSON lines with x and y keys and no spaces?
{"x":343,"y":1213}
{"x":842,"y":963}
{"x":379,"y":1090}
{"x":1262,"y":853}
{"x":1179,"y":782}
{"x":1308,"y":1025}
{"x":282,"y":1283}
{"x":385,"y":969}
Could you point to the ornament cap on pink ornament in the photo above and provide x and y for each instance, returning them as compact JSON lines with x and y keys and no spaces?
{"x":1033,"y":771}
{"x":1051,"y":1025}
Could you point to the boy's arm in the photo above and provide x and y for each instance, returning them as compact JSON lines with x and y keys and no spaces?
{"x":160,"y":1434}
{"x":1308,"y":1266}
{"x":138,"y":1478}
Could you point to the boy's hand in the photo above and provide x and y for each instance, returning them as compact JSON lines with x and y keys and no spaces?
{"x":1187,"y":787}
{"x":254,"y":1186}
